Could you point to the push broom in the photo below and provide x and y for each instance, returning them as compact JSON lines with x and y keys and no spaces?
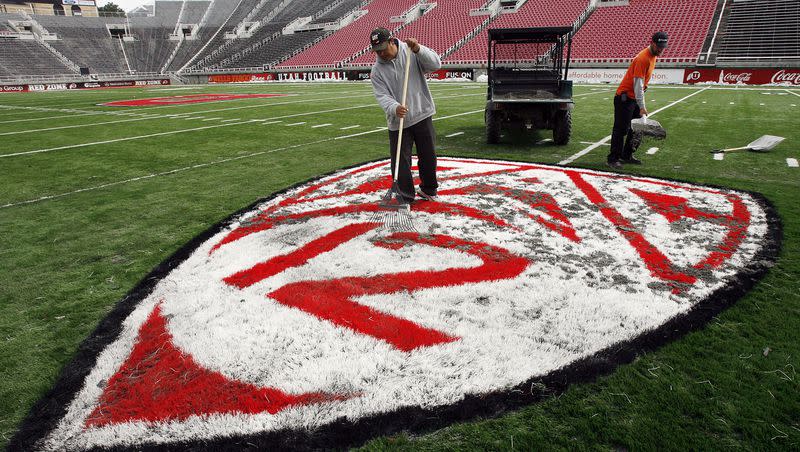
{"x":393,"y":211}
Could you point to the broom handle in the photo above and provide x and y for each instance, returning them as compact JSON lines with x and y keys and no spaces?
{"x":722,"y":151}
{"x":403,"y":102}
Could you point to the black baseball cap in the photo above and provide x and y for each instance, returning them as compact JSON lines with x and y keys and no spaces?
{"x":660,"y":38}
{"x":379,"y":38}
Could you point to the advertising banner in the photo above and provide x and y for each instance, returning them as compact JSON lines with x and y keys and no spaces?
{"x":241,"y":78}
{"x":39,"y":87}
{"x":615,"y":75}
{"x":78,"y":2}
{"x":13,"y":88}
{"x":743,"y":76}
{"x":441,"y":74}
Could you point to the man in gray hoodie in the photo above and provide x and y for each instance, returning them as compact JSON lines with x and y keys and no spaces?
{"x":387,"y":84}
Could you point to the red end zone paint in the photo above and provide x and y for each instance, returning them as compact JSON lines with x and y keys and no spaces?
{"x":187,"y":99}
{"x":301,"y":323}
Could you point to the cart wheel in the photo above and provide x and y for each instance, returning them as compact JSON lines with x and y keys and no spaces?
{"x":492,"y":127}
{"x":563,"y":127}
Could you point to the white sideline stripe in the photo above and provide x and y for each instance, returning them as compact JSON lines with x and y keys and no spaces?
{"x":792,"y":163}
{"x":652,"y":151}
{"x":454,"y":134}
{"x":203,"y":165}
{"x":719,"y":155}
{"x":590,"y":142}
{"x":348,"y":127}
{"x":321,"y":125}
{"x":295,"y":124}
{"x":596,"y":145}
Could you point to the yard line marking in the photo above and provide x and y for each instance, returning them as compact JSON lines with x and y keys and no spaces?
{"x":792,"y":163}
{"x":39,"y":151}
{"x":652,"y":151}
{"x":719,"y":155}
{"x":761,"y":104}
{"x":546,"y":140}
{"x":203,"y":165}
{"x":75,"y":126}
{"x":321,"y":125}
{"x":295,"y":124}
{"x":793,"y":93}
{"x":605,"y":140}
{"x":211,"y":119}
{"x":270,"y":122}
{"x":454,"y":134}
{"x":591,"y":142}
{"x":348,"y":127}
{"x":207,"y":127}
{"x":731,"y":103}
{"x":379,"y":129}
{"x":231,"y":120}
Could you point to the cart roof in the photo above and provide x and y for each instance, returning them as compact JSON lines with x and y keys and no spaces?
{"x":540,"y":34}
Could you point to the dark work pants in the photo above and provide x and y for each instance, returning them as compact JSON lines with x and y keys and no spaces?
{"x":424,"y":137}
{"x":621,"y":134}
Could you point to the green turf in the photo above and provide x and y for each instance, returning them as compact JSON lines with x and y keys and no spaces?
{"x":113,"y":211}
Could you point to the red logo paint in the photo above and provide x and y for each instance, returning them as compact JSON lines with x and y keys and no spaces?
{"x":187,"y":99}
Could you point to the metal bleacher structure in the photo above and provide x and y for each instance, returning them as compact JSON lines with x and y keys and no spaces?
{"x":187,"y":38}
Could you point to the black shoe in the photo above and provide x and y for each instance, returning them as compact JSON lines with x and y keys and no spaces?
{"x":615,"y":164}
{"x":426,"y":197}
{"x":631,"y":161}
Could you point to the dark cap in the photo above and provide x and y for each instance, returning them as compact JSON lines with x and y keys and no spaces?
{"x":379,"y":38}
{"x":660,"y":38}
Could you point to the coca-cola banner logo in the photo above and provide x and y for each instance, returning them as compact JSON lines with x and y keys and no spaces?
{"x":787,"y":77}
{"x":306,"y":322}
{"x":743,"y":76}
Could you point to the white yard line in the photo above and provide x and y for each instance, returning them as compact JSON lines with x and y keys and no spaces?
{"x":590,"y":142}
{"x":295,"y":124}
{"x":792,"y":163}
{"x":321,"y":125}
{"x":454,"y":134}
{"x":234,"y":120}
{"x":793,"y":93}
{"x":652,"y":151}
{"x":605,"y":140}
{"x":211,"y":119}
{"x":203,"y":165}
{"x":349,"y":127}
{"x":270,"y":122}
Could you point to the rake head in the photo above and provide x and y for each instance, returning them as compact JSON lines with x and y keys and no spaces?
{"x":394,"y":213}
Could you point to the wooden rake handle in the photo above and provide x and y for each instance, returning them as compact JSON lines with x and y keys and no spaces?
{"x":402,"y":120}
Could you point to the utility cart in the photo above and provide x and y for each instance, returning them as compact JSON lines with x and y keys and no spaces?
{"x":528,"y":86}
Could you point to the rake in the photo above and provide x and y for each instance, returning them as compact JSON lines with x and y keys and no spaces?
{"x":763,"y":144}
{"x":393,"y":211}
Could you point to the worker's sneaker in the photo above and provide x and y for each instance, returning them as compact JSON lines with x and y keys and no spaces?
{"x":426,"y":197}
{"x":631,"y":161}
{"x":615,"y":164}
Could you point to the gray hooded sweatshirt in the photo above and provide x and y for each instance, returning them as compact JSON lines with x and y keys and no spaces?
{"x":387,"y":84}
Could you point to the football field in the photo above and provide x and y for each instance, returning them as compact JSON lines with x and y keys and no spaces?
{"x":94,"y":197}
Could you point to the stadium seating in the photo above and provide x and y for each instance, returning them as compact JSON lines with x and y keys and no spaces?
{"x":337,"y":10}
{"x":614,"y":34}
{"x":429,"y":31}
{"x":28,"y":57}
{"x":86,"y":42}
{"x":761,"y":30}
{"x":534,"y":13}
{"x":353,"y":38}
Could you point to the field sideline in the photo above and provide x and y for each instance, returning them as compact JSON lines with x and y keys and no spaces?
{"x":94,"y":197}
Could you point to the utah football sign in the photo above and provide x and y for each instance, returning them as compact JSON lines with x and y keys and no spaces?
{"x":302,"y":322}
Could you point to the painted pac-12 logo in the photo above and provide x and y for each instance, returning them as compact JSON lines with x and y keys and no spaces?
{"x":303,"y":320}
